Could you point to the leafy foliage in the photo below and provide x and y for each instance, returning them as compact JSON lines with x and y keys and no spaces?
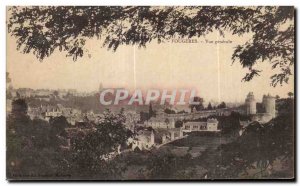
{"x":259,"y":145}
{"x":32,"y":150}
{"x":91,"y":151}
{"x":209,"y":107}
{"x":42,"y":30}
{"x":222,"y":105}
{"x":34,"y":147}
{"x":198,"y":105}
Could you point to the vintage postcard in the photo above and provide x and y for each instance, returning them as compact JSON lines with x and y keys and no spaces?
{"x":150,"y":93}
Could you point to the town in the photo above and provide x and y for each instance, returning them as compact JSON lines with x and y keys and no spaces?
{"x":158,"y":127}
{"x":150,"y":93}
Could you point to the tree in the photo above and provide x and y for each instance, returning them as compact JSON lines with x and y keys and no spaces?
{"x":178,"y":124}
{"x":58,"y":125}
{"x":31,"y":149}
{"x":17,"y":133}
{"x":284,"y":106}
{"x":42,"y":136}
{"x":55,"y":93}
{"x":18,"y":120}
{"x":43,"y":30}
{"x":277,"y":97}
{"x":182,"y":112}
{"x":290,"y":94}
{"x":198,"y":104}
{"x":209,"y":107}
{"x":230,"y":124}
{"x":19,"y":107}
{"x":222,"y":105}
{"x":90,"y":151}
{"x":169,"y":111}
{"x":144,"y":116}
{"x":260,"y":144}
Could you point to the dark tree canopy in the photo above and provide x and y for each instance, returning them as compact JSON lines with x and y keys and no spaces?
{"x":222,"y":105}
{"x":209,"y":107}
{"x":43,"y":30}
{"x":199,"y":106}
{"x":37,"y":147}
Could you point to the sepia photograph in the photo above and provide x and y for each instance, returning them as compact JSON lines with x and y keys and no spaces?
{"x":150,"y":93}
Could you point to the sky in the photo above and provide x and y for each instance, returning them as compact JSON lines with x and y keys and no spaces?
{"x":206,"y":67}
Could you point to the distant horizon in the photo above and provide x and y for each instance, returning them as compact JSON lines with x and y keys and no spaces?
{"x":97,"y":91}
{"x":208,"y":68}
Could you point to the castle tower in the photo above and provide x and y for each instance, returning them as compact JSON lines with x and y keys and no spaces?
{"x":250,"y":103}
{"x":269,"y":105}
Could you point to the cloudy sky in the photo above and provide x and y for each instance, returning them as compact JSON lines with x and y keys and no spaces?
{"x":205,"y":67}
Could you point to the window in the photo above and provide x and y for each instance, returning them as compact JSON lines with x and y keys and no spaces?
{"x":202,"y":127}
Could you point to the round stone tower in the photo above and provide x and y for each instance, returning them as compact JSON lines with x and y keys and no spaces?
{"x":250,"y":103}
{"x":269,"y":105}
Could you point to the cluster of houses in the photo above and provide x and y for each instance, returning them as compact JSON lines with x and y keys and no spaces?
{"x":72,"y":115}
{"x":154,"y":132}
{"x":158,"y":132}
{"x":46,"y":94}
{"x":210,"y":125}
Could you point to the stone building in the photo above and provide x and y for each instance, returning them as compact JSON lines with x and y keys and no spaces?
{"x":143,"y":141}
{"x":168,"y":135}
{"x":250,"y":104}
{"x":269,"y":105}
{"x":160,"y":123}
{"x":212,"y":124}
{"x":209,"y":125}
